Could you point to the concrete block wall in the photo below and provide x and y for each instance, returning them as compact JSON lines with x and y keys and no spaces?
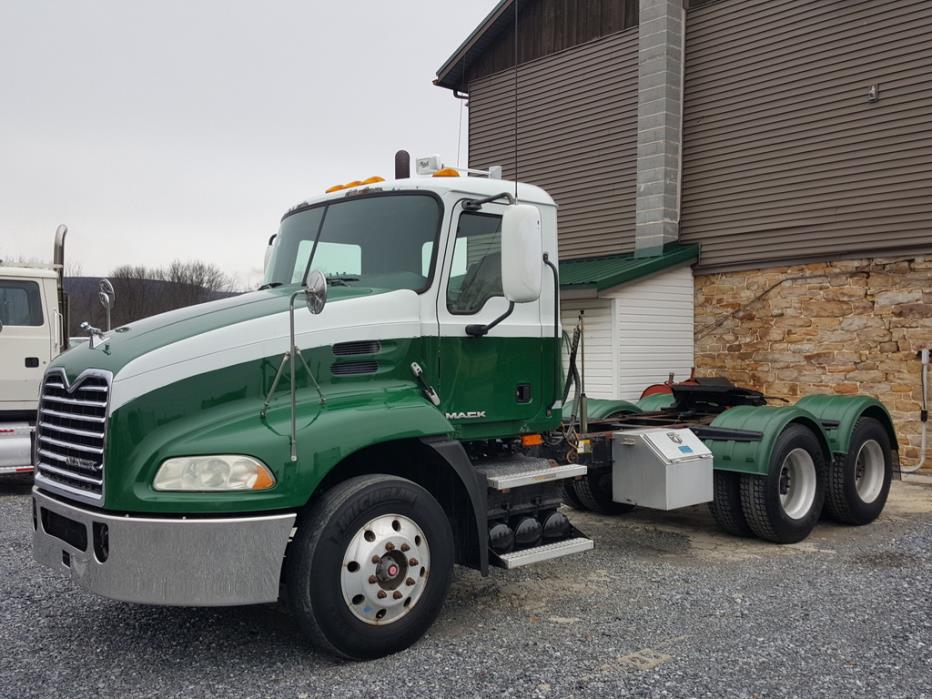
{"x":660,"y":108}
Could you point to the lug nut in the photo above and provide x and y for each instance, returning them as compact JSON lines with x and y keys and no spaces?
{"x":409,"y":581}
{"x":412,"y":562}
{"x":405,"y":547}
{"x":389,"y":546}
{"x":376,"y":559}
{"x":373,"y":579}
{"x":382,"y":594}
{"x":397,"y":595}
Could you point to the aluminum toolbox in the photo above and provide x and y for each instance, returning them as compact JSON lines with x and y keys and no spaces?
{"x":660,"y":468}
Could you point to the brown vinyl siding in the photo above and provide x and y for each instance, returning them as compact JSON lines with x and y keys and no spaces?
{"x":577,"y":127}
{"x":784,"y":157}
{"x":549,"y":26}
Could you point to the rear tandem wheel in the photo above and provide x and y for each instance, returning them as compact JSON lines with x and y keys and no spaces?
{"x":594,"y":491}
{"x":784,"y":505}
{"x":726,"y":503}
{"x":860,"y":482}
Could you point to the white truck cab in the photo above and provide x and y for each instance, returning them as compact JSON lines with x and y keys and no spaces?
{"x":32,"y":333}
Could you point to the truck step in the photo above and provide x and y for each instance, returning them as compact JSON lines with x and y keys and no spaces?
{"x":516,"y":559}
{"x":517,"y":471}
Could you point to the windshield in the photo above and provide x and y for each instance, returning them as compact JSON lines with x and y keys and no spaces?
{"x":381,"y":241}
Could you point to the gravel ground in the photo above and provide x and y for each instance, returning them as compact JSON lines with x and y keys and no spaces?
{"x":664,"y":606}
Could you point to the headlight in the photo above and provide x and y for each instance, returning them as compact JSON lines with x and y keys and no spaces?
{"x":214,"y":472}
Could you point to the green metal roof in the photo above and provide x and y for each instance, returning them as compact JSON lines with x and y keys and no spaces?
{"x":601,"y":273}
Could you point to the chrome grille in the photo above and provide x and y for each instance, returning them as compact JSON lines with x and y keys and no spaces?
{"x":71,"y":433}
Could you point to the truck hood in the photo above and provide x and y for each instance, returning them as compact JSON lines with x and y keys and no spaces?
{"x":172,"y":346}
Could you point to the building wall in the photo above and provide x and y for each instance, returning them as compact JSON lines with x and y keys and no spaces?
{"x":577,"y":137}
{"x":654,"y":331}
{"x":544,"y":27}
{"x":601,"y":354}
{"x":785,"y":158}
{"x":851,"y":326}
{"x":636,"y":335}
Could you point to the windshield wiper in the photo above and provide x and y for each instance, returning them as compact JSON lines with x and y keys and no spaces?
{"x":341,"y":279}
{"x":270,"y":285}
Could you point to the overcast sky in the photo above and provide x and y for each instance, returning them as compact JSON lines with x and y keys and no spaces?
{"x":185,"y":128}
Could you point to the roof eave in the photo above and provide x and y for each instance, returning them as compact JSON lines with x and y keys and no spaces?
{"x":443,"y":73}
{"x":684,"y":254}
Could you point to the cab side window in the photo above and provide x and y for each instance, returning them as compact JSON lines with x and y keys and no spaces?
{"x":20,"y":303}
{"x":476,"y":275}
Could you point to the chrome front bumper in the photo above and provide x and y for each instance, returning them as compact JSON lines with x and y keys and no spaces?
{"x":185,"y":562}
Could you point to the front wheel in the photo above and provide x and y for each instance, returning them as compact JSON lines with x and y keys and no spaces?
{"x":785,"y":505}
{"x":859,"y":484}
{"x":370,"y":566}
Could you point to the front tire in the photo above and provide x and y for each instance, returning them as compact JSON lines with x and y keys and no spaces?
{"x":858,"y":486}
{"x":370,"y":566}
{"x":784,"y":506}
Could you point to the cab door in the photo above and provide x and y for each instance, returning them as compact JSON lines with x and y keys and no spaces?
{"x":492,"y":385}
{"x":24,"y":342}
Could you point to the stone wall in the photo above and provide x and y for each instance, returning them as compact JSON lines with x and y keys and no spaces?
{"x":851,"y":326}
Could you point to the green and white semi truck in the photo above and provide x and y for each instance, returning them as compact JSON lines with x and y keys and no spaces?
{"x":390,"y":403}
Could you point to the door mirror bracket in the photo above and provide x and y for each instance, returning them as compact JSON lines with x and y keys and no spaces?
{"x":479,"y":329}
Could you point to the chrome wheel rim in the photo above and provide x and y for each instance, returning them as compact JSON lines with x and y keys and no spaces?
{"x":385,"y":569}
{"x":797,"y":483}
{"x":869,"y":471}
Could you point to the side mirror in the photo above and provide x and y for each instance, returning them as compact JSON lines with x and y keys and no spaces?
{"x":106,"y":295}
{"x":522,"y":253}
{"x":315,"y":291}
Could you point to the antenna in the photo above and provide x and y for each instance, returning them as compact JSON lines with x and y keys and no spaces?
{"x":516,"y":99}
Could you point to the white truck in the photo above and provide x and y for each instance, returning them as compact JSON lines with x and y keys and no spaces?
{"x":33,"y":331}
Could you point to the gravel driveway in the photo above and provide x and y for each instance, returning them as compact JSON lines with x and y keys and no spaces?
{"x":664,"y":606}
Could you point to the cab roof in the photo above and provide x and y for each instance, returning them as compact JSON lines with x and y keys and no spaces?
{"x":28,"y":272}
{"x":475,"y":186}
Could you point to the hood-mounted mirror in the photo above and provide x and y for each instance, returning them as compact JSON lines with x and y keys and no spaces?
{"x":315,"y":291}
{"x":315,"y":298}
{"x":106,"y":295}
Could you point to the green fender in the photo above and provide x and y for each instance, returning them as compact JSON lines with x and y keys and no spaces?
{"x":655,"y":402}
{"x":754,"y":457}
{"x":602,"y":408}
{"x":846,"y":411}
{"x":326,"y":436}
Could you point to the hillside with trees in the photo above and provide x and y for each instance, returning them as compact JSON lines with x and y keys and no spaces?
{"x":145,"y":291}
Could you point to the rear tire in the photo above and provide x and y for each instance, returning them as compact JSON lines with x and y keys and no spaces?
{"x":594,"y":491}
{"x":570,"y":497}
{"x":726,"y":504}
{"x":858,"y":486}
{"x":370,"y":566}
{"x":785,"y":505}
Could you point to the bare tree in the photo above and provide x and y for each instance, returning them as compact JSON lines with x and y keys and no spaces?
{"x":145,"y":291}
